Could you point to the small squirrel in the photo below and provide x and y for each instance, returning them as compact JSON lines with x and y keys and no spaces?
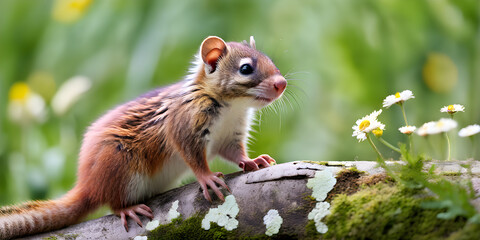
{"x":139,"y":149}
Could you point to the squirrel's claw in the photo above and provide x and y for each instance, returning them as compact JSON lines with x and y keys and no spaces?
{"x":211,"y":181}
{"x":264,"y":161}
{"x":132,"y":211}
{"x":261,"y":161}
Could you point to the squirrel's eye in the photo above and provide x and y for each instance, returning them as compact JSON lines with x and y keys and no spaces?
{"x":246,"y":69}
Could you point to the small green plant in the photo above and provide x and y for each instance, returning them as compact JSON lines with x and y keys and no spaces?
{"x":453,"y":197}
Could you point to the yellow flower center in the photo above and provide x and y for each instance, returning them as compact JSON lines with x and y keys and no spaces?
{"x":364,"y":124}
{"x":377,"y":132}
{"x":19,"y":91}
{"x":397,"y":95}
{"x":79,"y":4}
{"x":450,"y":108}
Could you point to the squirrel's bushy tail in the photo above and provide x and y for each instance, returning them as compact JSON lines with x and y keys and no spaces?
{"x":40,"y":216}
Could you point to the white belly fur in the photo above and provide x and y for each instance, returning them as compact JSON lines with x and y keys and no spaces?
{"x":142,"y":187}
{"x":235,"y":118}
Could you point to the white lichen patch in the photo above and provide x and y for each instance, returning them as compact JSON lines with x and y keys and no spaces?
{"x":152,"y":225}
{"x":224,"y":215}
{"x":173,"y":213}
{"x":140,"y":238}
{"x":273,"y":222}
{"x":321,"y":184}
{"x":318,"y":213}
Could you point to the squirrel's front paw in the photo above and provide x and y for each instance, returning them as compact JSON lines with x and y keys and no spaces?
{"x":211,"y":180}
{"x":261,"y":161}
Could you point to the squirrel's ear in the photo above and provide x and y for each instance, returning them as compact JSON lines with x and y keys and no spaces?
{"x":252,"y":42}
{"x":211,"y":50}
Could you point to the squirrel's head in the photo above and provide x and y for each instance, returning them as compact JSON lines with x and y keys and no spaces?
{"x":238,"y":70}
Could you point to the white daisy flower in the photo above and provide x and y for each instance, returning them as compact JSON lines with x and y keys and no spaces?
{"x":453,"y":108}
{"x":469,"y":131}
{"x":446,"y":124}
{"x":361,"y":136}
{"x":367,"y":124}
{"x":432,"y":128}
{"x":398,"y":97}
{"x":69,"y":93}
{"x":407,"y":129}
{"x":25,"y":106}
{"x":426,"y":128}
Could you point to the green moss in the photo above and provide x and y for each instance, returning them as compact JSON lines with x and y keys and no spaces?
{"x":316,"y":162}
{"x":355,"y":169}
{"x":451,"y":174}
{"x":190,"y":228}
{"x":265,"y":237}
{"x":310,"y":198}
{"x":469,"y":232}
{"x":68,"y":236}
{"x":62,"y":236}
{"x":388,"y":212}
{"x":50,"y":238}
{"x":311,"y":231}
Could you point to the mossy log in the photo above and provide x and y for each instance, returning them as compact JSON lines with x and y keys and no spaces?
{"x":282,"y":187}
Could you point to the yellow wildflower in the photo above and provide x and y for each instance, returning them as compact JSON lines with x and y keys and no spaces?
{"x":70,"y":10}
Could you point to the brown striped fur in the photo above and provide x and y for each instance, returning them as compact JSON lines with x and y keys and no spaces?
{"x":128,"y":154}
{"x":40,"y":216}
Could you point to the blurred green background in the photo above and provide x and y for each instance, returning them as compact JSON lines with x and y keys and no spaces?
{"x":342,"y":58}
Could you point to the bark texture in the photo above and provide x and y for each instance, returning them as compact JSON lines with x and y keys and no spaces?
{"x":281,"y":187}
